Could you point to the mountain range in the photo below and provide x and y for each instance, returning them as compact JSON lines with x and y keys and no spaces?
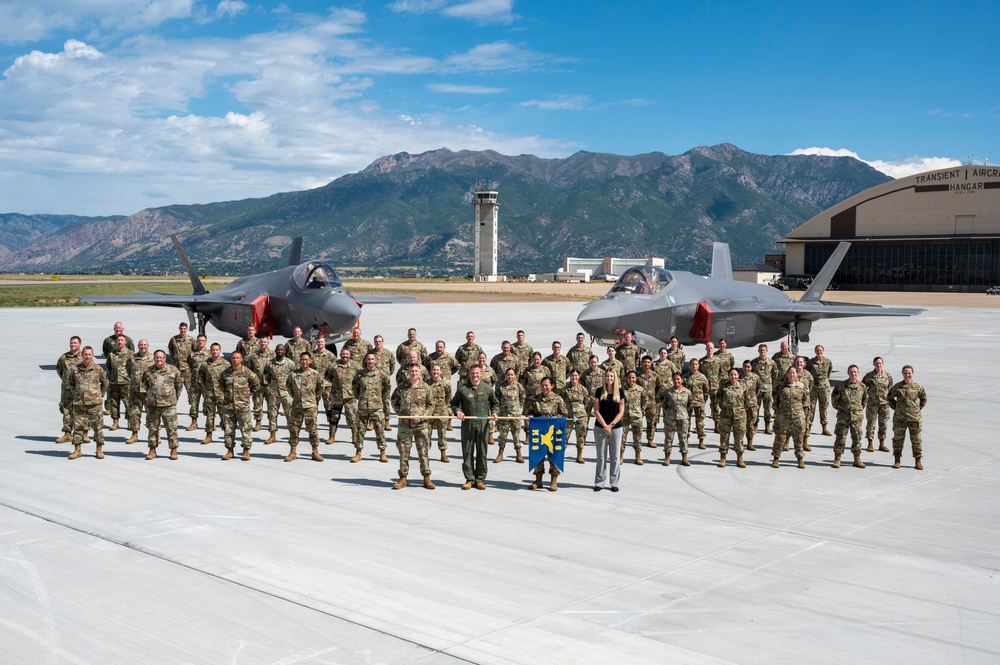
{"x":412,"y":211}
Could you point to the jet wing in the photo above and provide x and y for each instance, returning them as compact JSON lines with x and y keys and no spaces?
{"x":161,"y":299}
{"x":816,"y":310}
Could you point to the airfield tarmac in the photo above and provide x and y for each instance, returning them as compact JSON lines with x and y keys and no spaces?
{"x":199,"y":561}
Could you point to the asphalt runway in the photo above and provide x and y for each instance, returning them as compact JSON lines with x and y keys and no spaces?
{"x":201,"y":561}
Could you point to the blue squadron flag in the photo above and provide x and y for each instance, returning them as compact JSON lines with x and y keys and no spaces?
{"x":546,"y":438}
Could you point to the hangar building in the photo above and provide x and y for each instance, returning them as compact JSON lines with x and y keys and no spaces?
{"x":934,"y":231}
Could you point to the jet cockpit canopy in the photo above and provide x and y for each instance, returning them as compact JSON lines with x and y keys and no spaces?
{"x":315,"y":275}
{"x":643,"y":280}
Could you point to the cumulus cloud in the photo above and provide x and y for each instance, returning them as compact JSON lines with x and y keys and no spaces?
{"x":230,"y":8}
{"x":895,"y":168}
{"x":465,"y":89}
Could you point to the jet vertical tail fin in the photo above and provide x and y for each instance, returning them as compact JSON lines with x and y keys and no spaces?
{"x":199,"y":288}
{"x":825,"y":276}
{"x":722,"y":265}
{"x":295,"y":253}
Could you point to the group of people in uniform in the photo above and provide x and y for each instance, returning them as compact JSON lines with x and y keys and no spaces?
{"x":493,"y":399}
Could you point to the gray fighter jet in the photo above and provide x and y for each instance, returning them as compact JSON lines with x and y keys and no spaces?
{"x":655,"y":304}
{"x":306,"y":295}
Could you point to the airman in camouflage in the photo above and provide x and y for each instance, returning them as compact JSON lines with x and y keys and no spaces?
{"x":64,"y":367}
{"x":322,"y":358}
{"x":180,"y":347}
{"x":211,"y":389}
{"x":489,"y":376}
{"x":849,"y":399}
{"x":546,"y":404}
{"x":87,"y":385}
{"x":276,"y":378}
{"x":249,"y":344}
{"x":593,"y":377}
{"x":140,"y":362}
{"x":411,"y":344}
{"x":239,"y":385}
{"x":410,"y":401}
{"x":753,"y":385}
{"x":163,"y":386}
{"x":467,"y":355}
{"x":118,"y":381}
{"x":650,"y":382}
{"x":783,"y":359}
{"x":558,"y":366}
{"x":258,"y":362}
{"x":676,"y":404}
{"x":109,"y":346}
{"x":791,"y":402}
{"x":697,"y":383}
{"x":676,"y":354}
{"x":412,"y":357}
{"x":878,"y":382}
{"x":197,"y":358}
{"x":579,"y":401}
{"x":907,"y":399}
{"x":807,"y":380}
{"x":522,"y":350}
{"x":664,"y":367}
{"x":343,"y":400}
{"x":635,"y":406}
{"x":734,"y":400}
{"x":532,"y":375}
{"x":357,"y":345}
{"x":613,"y":363}
{"x":821,"y":368}
{"x":579,"y":354}
{"x":442,"y":359}
{"x":510,"y":395}
{"x":297,"y":345}
{"x":386,"y":364}
{"x":370,"y":386}
{"x":726,"y":359}
{"x":505,"y":360}
{"x":711,"y":367}
{"x":628,"y":353}
{"x":767,"y":370}
{"x":305,"y":387}
{"x":440,"y":391}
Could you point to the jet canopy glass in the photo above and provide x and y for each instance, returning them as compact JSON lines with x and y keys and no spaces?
{"x":315,"y":275}
{"x":642,"y":280}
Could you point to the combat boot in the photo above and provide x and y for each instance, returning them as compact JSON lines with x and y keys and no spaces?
{"x":919,"y":465}
{"x":114,"y":426}
{"x":802,"y":463}
{"x":895,"y":464}
{"x":701,"y":443}
{"x":228,"y":455}
{"x":193,"y":426}
{"x":133,"y":439}
{"x":774,"y":462}
{"x":785,"y":446}
{"x":333,"y":435}
{"x":316,"y":457}
{"x":826,"y":432}
{"x":554,"y":484}
{"x":836,"y":461}
{"x":386,"y":427}
{"x":499,"y":457}
{"x":537,"y":485}
{"x":767,"y":427}
{"x":427,"y":482}
{"x":271,"y":439}
{"x":86,"y":436}
{"x":638,"y":457}
{"x":207,"y":439}
{"x":722,"y":462}
{"x":100,"y":451}
{"x":684,"y":460}
{"x":579,"y":457}
{"x":806,"y":447}
{"x":882,"y":448}
{"x":152,"y":453}
{"x":65,"y":438}
{"x":357,"y":457}
{"x":291,"y":456}
{"x":382,"y":457}
{"x":76,"y":451}
{"x":449,"y":428}
{"x":739,"y":461}
{"x":518,"y":457}
{"x":399,"y":484}
{"x":246,"y":455}
{"x":750,"y":445}
{"x":650,"y":444}
{"x":256,"y":426}
{"x":444,"y":456}
{"x":857,"y":461}
{"x":371,"y":426}
{"x":173,"y":454}
{"x":871,"y":445}
{"x":666,"y":461}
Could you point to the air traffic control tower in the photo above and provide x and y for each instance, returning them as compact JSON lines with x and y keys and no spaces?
{"x":485,"y":234}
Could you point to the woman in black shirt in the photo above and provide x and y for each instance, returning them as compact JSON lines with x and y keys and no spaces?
{"x":609,"y":407}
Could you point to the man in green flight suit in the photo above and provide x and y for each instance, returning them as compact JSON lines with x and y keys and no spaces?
{"x":473,"y":402}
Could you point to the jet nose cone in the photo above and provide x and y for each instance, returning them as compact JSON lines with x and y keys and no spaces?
{"x":340,"y":311}
{"x":600,"y":318}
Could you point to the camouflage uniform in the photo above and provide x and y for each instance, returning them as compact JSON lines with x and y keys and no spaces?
{"x":726,"y":362}
{"x":179,"y":349}
{"x":258,"y":362}
{"x":87,"y":385}
{"x":807,"y":380}
{"x":320,"y":363}
{"x":467,"y":355}
{"x":163,"y":385}
{"x":593,"y":380}
{"x":710,"y":367}
{"x":342,"y":397}
{"x":878,"y":385}
{"x":402,"y":378}
{"x":294,"y":350}
{"x":413,"y":400}
{"x":821,"y":371}
{"x":370,"y":387}
{"x":676,"y":404}
{"x":440,"y":392}
{"x":211,"y":389}
{"x":697,"y":383}
{"x":305,"y":387}
{"x":247,"y":346}
{"x":137,"y":392}
{"x":276,"y":379}
{"x":849,"y":399}
{"x":358,"y":348}
{"x":239,"y":386}
{"x":403,"y":351}
{"x":650,"y":382}
{"x":791,"y":402}
{"x":523,"y":353}
{"x":677,"y":357}
{"x":579,"y":357}
{"x":558,"y":369}
{"x":500,"y":365}
{"x":386,"y":364}
{"x":445,"y":361}
{"x":110,"y":345}
{"x":665,"y":370}
{"x":766,"y":369}
{"x":64,"y":368}
{"x":488,"y":376}
{"x":907,"y":400}
{"x":617,"y":366}
{"x":511,"y":399}
{"x":195,"y":361}
{"x":629,"y":355}
{"x":734,"y":401}
{"x":552,"y":406}
{"x":531,"y":379}
{"x":782,"y":361}
{"x":118,"y":383}
{"x":579,"y":400}
{"x":635,"y":406}
{"x":753,"y":385}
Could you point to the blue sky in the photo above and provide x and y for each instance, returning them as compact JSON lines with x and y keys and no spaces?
{"x":111,"y":106}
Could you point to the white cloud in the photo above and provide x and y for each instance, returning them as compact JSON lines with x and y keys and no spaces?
{"x":561,"y":103}
{"x":502,"y":56}
{"x":483,"y":12}
{"x":899,"y":168}
{"x":230,"y":8}
{"x":465,"y":89}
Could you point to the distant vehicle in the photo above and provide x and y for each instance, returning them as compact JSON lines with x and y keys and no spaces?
{"x":793,"y":282}
{"x":605,"y":277}
{"x":572,"y":276}
{"x":993,"y":291}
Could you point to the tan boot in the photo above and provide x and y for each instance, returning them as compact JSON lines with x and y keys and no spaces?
{"x":739,"y":461}
{"x":193,"y":426}
{"x":228,"y":455}
{"x":767,"y":427}
{"x":650,"y":444}
{"x":836,"y":461}
{"x":399,"y":484}
{"x":76,"y":451}
{"x":114,"y":426}
{"x":802,"y":463}
{"x":806,"y":447}
{"x":256,"y":426}
{"x":65,"y":438}
{"x":271,"y":439}
{"x":871,"y":445}
{"x":246,"y":455}
{"x":858,"y":464}
{"x":316,"y":457}
{"x":480,"y":485}
{"x":784,"y":448}
{"x":554,"y":484}
{"x":449,"y":428}
{"x":919,"y":465}
{"x":537,"y":485}
{"x":638,"y":458}
{"x":519,"y":458}
{"x":386,"y":427}
{"x":467,"y":485}
{"x":382,"y":457}
{"x":152,"y":453}
{"x":208,"y":439}
{"x":173,"y":454}
{"x":750,"y":446}
{"x":882,"y":448}
{"x":371,"y":426}
{"x":722,"y":462}
{"x":684,"y":460}
{"x":701,"y":443}
{"x":498,"y":458}
{"x":357,"y":457}
{"x":895,"y":464}
{"x":444,"y":456}
{"x":133,"y":439}
{"x":333,"y":435}
{"x":826,"y":432}
{"x":427,"y":482}
{"x":292,"y":455}
{"x":774,"y":462}
{"x":100,"y":451}
{"x":579,"y":458}
{"x":86,"y":437}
